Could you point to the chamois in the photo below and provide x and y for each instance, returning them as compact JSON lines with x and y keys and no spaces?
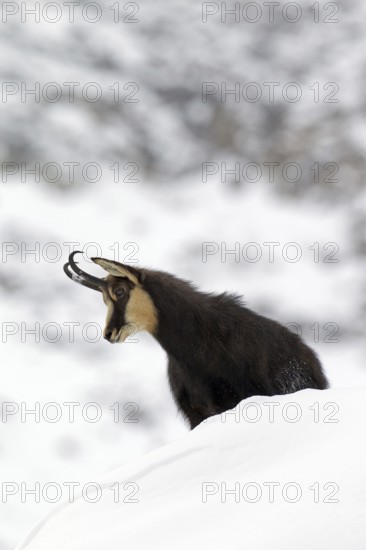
{"x":219,"y":351}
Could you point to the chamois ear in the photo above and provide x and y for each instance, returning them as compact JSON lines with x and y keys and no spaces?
{"x":119,"y":270}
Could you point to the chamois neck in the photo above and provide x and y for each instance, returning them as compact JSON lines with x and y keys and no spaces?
{"x":183,"y":314}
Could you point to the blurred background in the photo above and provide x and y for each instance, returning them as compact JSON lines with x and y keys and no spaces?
{"x":175,"y":136}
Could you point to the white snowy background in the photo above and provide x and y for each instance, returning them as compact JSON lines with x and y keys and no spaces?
{"x":168,"y":213}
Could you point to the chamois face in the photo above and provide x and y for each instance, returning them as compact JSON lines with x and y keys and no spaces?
{"x":129,"y":307}
{"x":116,"y":296}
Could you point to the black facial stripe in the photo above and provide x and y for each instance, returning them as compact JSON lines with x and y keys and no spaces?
{"x":118,"y":317}
{"x":117,"y":320}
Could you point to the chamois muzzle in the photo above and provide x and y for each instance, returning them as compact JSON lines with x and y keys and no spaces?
{"x":79,"y":276}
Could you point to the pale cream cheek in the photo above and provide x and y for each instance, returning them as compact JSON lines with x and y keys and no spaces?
{"x":140,"y":311}
{"x":127,"y":330}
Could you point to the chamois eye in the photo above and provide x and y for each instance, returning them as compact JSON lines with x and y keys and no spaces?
{"x":120,"y":291}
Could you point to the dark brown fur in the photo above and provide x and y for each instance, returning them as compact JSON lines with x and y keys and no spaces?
{"x":220,"y":352}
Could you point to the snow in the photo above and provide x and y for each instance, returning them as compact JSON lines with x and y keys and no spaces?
{"x":280,"y":472}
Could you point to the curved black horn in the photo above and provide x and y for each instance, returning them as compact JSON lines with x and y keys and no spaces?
{"x":79,"y":276}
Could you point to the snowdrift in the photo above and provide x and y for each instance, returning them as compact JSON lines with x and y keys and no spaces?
{"x":282,"y":472}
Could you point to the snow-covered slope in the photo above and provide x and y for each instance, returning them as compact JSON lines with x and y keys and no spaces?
{"x":281,"y":473}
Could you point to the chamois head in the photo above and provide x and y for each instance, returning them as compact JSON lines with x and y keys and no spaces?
{"x":129,"y":306}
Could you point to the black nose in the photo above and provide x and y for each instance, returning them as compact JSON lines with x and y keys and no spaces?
{"x":108,"y":335}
